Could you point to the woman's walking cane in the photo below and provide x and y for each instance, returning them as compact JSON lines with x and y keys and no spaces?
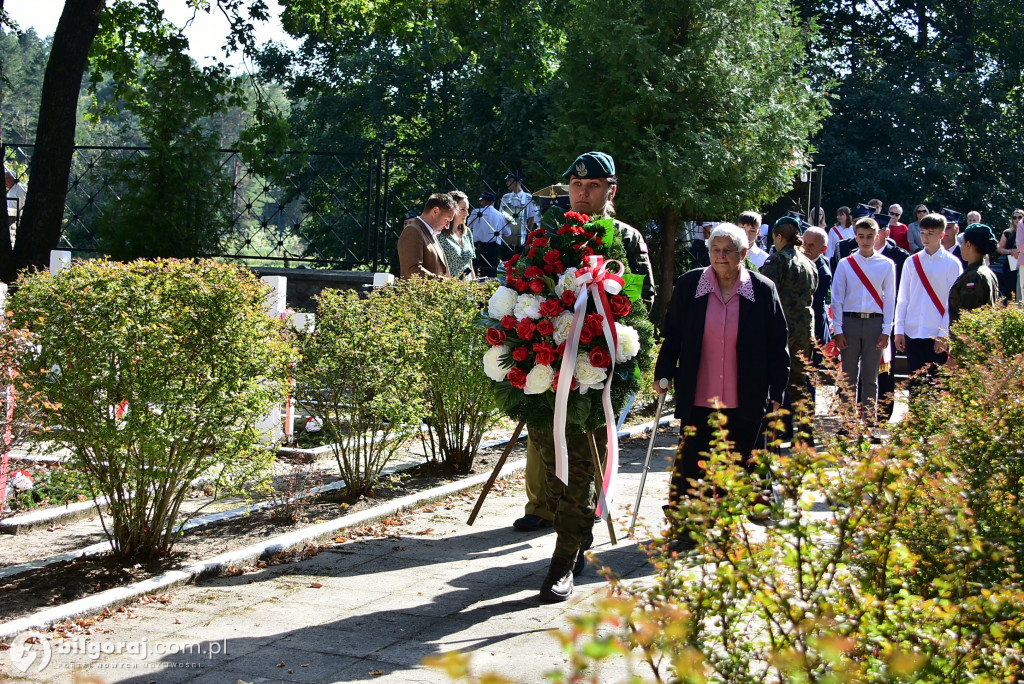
{"x":663,"y":383}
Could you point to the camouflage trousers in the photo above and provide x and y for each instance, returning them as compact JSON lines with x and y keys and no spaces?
{"x":573,"y":504}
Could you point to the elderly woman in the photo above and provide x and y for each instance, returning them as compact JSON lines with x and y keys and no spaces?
{"x":457,"y":241}
{"x":724,"y":350}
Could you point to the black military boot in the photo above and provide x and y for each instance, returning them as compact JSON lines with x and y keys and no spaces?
{"x":557,"y":585}
{"x":581,"y":560}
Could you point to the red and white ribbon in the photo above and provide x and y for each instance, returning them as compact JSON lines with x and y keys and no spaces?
{"x":596,"y":282}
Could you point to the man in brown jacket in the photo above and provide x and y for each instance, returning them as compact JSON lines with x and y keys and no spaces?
{"x":419,"y":253}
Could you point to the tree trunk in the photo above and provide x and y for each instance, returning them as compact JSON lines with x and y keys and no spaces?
{"x":40,"y":226}
{"x":669,"y":227}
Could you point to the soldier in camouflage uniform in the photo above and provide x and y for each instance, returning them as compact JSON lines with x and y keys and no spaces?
{"x":592,"y":186}
{"x":796,"y":278}
{"x":977,"y":286}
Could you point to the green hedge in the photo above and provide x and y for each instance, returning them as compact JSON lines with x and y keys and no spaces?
{"x":152,"y":374}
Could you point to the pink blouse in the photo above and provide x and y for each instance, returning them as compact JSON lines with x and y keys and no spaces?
{"x":717,"y":375}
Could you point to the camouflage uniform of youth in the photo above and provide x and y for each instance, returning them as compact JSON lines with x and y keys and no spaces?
{"x":976,"y":287}
{"x":796,"y":278}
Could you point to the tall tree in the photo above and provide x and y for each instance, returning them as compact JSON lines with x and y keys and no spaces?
{"x":928,"y":102}
{"x":115,"y":36}
{"x":703,"y":104}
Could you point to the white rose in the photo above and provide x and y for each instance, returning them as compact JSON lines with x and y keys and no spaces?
{"x":628,"y":343}
{"x":562,"y":324}
{"x":590,"y":378}
{"x":538,"y":380}
{"x":567,"y":281}
{"x":527,"y":306}
{"x":502,"y":302}
{"x":491,"y":364}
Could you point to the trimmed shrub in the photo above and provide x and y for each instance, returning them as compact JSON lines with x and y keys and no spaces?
{"x":359,"y":374}
{"x":461,"y":405}
{"x":153,"y":374}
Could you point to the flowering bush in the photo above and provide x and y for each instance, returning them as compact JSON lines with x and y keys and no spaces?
{"x":532,"y":323}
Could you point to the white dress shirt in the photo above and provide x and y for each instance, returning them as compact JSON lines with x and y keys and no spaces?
{"x":757,"y":255}
{"x":837,"y":234}
{"x":850,"y":295}
{"x":916,"y":315}
{"x":488,"y":224}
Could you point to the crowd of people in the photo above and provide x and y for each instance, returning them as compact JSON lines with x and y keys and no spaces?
{"x":455,"y":242}
{"x":744,"y":330}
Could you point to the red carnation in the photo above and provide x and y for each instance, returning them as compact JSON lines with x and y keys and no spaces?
{"x":521,"y":285}
{"x":586,"y":252}
{"x":550,"y":308}
{"x":508,"y":322}
{"x":545,"y":352}
{"x":540,"y":242}
{"x":599,"y":357}
{"x":620,"y":306}
{"x":575,"y":215}
{"x":568,"y":298}
{"x":517,"y":377}
{"x":536,"y":233}
{"x":532,"y":253}
{"x":549,"y":269}
{"x":533,"y":272}
{"x":536,"y":286}
{"x":525,"y":329}
{"x":545,"y":327}
{"x":513,"y":259}
{"x":552,"y":256}
{"x":563,"y":230}
{"x":559,"y":267}
{"x":496,"y":336}
{"x":520,"y":353}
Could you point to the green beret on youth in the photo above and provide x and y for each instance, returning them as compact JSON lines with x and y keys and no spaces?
{"x":591,"y":165}
{"x":982,"y":236}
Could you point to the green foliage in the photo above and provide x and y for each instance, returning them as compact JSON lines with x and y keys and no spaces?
{"x":55,"y":485}
{"x":458,"y":392}
{"x":22,"y":62}
{"x":885,"y":563}
{"x":188,"y":352}
{"x":172,"y":200}
{"x":702,"y":104}
{"x":921,"y":89}
{"x":359,"y":373}
{"x":986,"y":333}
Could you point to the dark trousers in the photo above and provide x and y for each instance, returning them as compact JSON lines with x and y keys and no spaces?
{"x":921,"y":354}
{"x":744,"y":431}
{"x":488,"y":255}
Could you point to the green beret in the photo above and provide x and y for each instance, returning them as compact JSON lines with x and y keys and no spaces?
{"x":787,"y":219}
{"x":982,"y":236}
{"x":591,"y":165}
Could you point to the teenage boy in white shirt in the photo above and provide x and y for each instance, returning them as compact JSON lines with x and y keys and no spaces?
{"x":922,"y":307}
{"x":863,"y":306}
{"x":750,"y":222}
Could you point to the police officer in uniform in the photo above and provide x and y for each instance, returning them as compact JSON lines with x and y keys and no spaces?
{"x":592,"y":187}
{"x":977,"y":286}
{"x":796,"y":278}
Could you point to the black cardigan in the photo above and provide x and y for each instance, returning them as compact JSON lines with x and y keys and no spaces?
{"x":762,"y":354}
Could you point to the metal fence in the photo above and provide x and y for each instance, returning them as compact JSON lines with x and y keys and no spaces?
{"x":322,"y":209}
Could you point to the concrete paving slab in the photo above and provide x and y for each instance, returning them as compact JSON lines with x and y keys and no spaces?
{"x":384,"y":604}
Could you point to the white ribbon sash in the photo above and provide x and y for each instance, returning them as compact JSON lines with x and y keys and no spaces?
{"x":596,"y":282}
